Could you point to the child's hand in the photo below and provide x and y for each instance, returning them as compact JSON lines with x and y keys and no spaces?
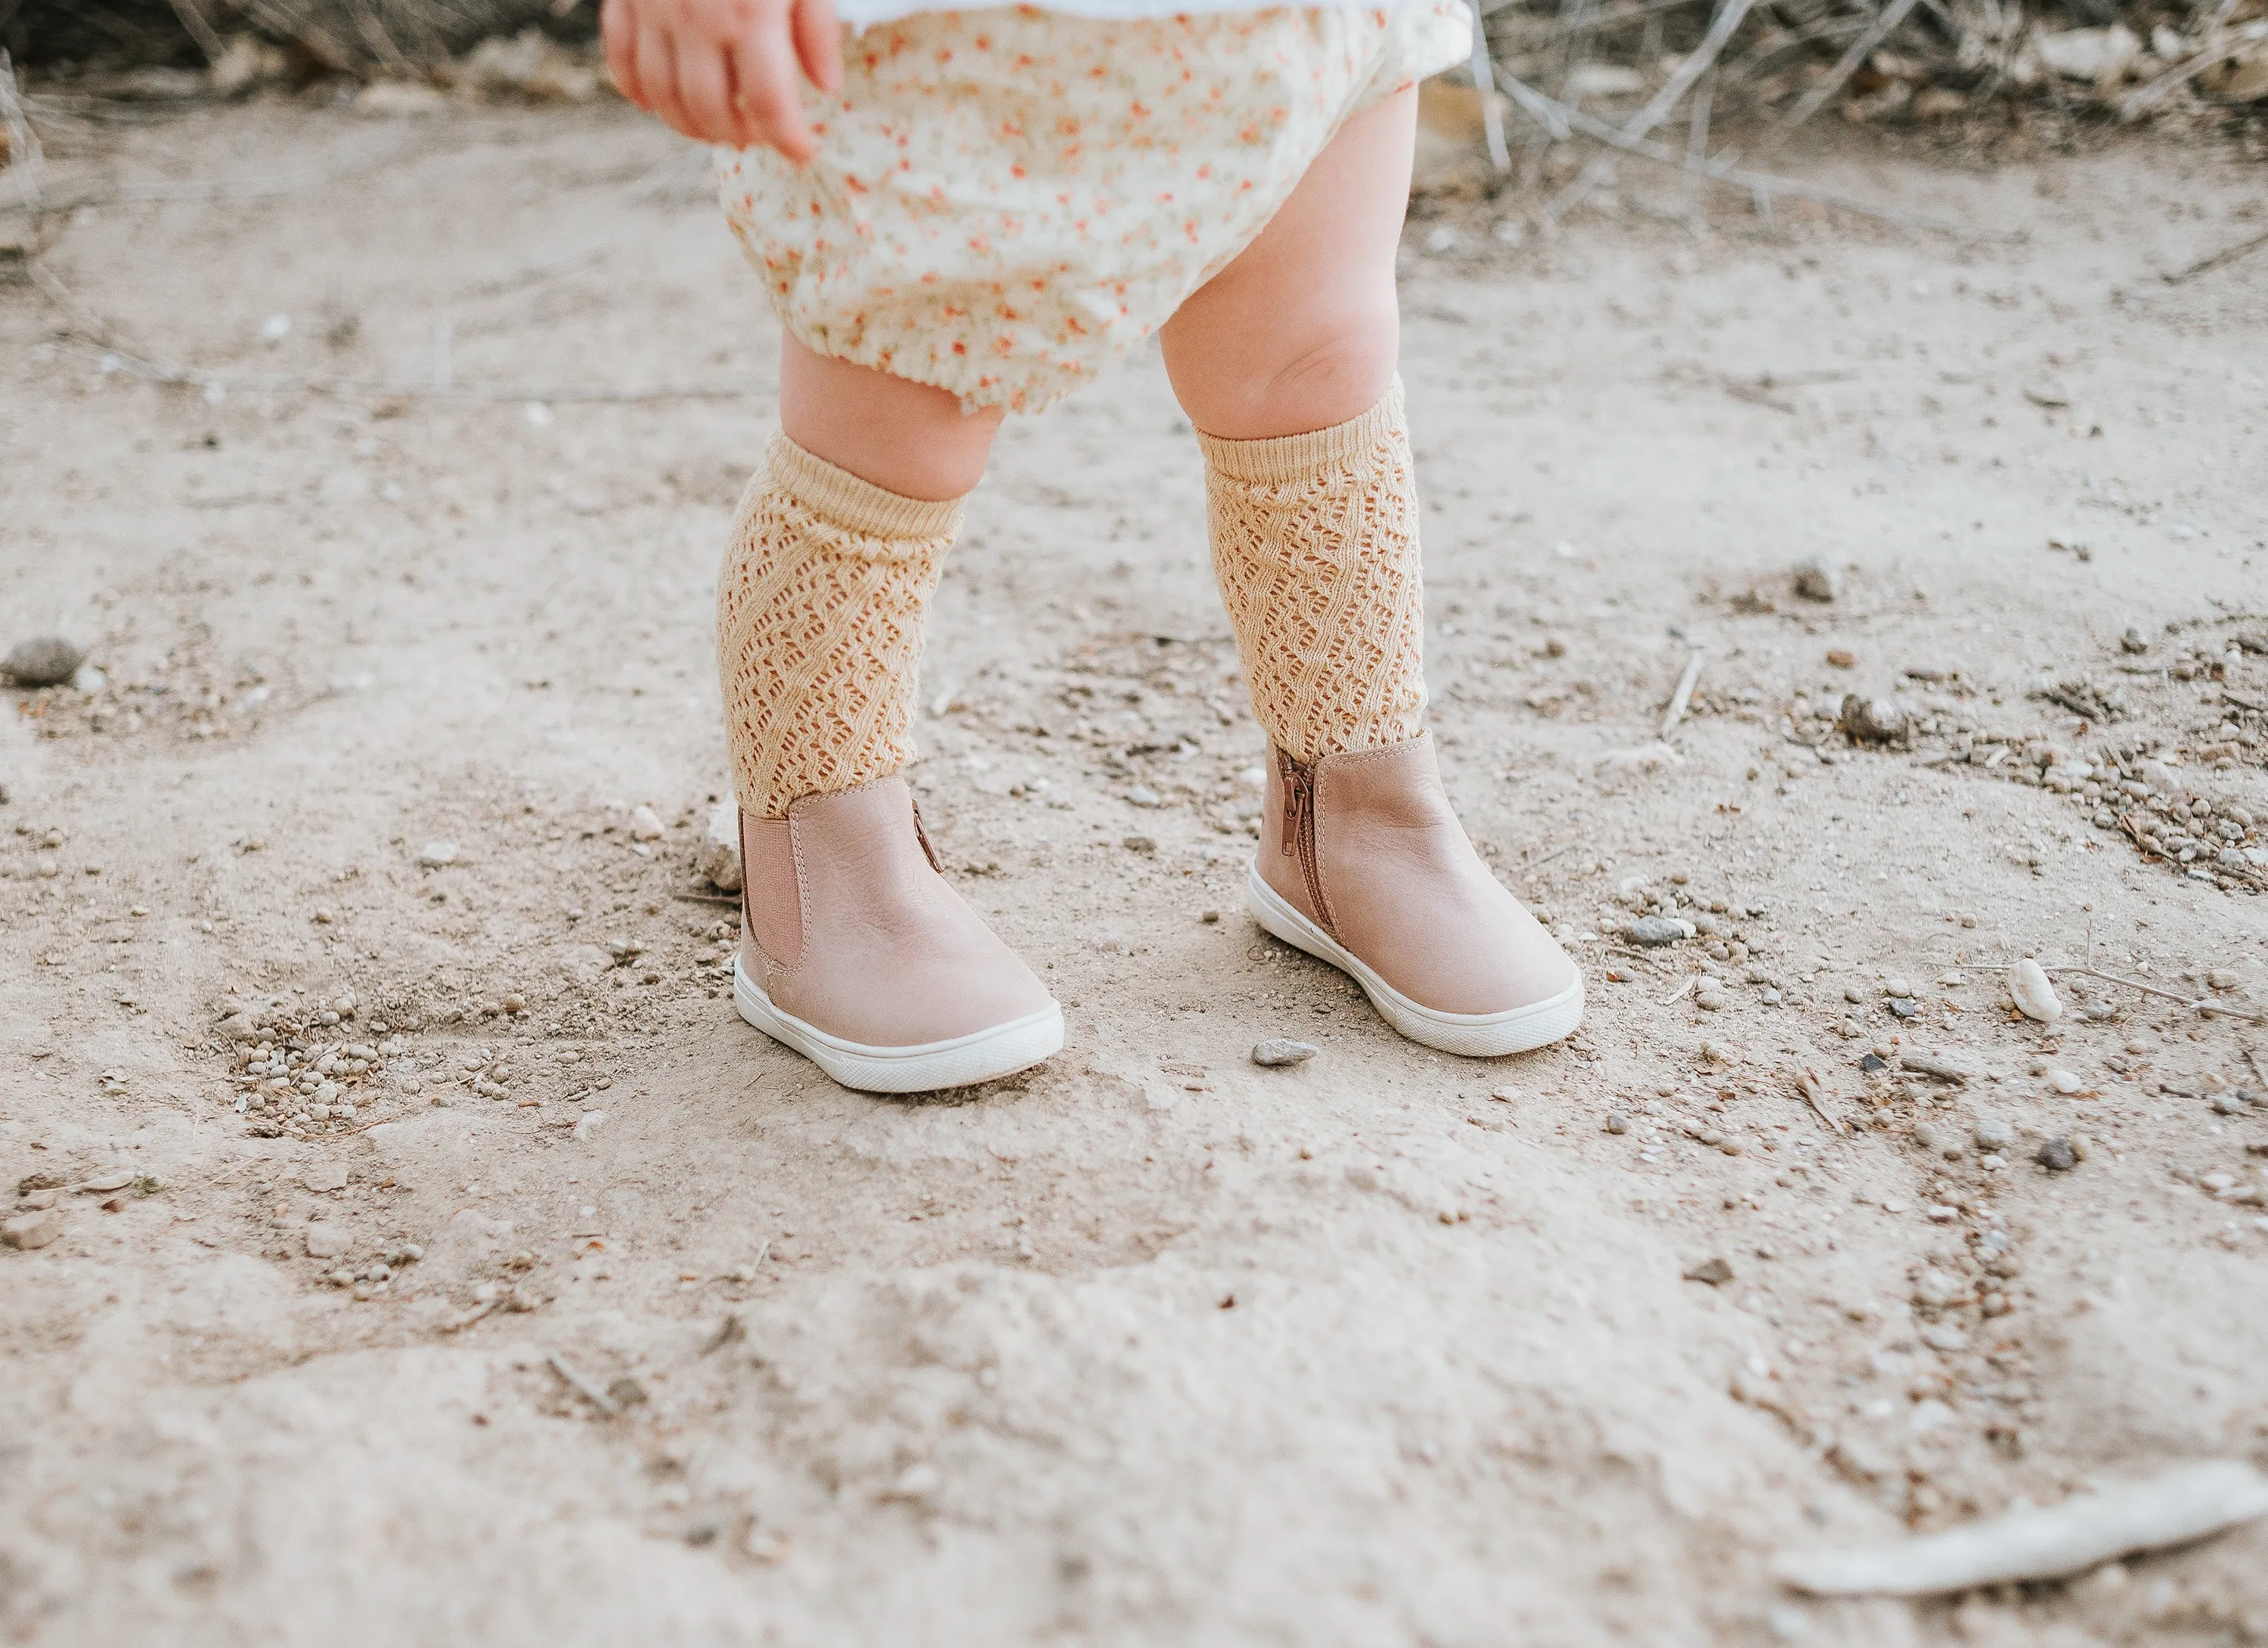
{"x":723,"y":71}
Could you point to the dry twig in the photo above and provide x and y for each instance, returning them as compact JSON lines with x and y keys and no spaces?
{"x":1812,"y":101}
{"x":1659,"y":107}
{"x":1559,"y":120}
{"x":1683,"y":698}
{"x":582,"y":1385}
{"x":1808,"y":1086}
{"x":2046,"y":1543}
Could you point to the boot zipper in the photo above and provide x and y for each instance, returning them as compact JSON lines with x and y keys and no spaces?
{"x":1300,"y":829}
{"x":921,"y":836}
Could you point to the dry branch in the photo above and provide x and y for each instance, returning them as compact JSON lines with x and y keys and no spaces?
{"x":1560,"y":121}
{"x":2047,"y":1544}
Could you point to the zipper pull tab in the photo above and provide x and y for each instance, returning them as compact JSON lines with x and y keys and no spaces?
{"x":1299,"y":799}
{"x":921,"y":836}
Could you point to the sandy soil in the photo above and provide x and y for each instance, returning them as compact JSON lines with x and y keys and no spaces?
{"x":1154,"y":1346}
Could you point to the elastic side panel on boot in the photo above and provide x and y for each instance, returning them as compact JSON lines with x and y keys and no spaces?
{"x":819,"y":611}
{"x":1315,"y":543}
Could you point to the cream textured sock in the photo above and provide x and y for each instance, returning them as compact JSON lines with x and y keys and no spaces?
{"x":1315,"y":543}
{"x":818,"y":626}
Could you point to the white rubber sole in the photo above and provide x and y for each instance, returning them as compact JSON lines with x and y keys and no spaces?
{"x":1472,"y":1035}
{"x":980,"y":1057}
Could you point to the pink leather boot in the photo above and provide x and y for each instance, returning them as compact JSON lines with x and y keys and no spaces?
{"x":855,"y":951}
{"x":1363,"y":864}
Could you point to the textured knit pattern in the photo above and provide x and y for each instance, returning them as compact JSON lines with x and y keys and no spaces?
{"x":819,"y":627}
{"x":1007,"y":201}
{"x":1315,"y":543}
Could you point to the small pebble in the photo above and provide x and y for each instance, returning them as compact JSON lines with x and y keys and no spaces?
{"x":1277,"y":1052}
{"x":1140,"y":844}
{"x":1653,"y":931}
{"x":718,"y":858}
{"x":1873,"y":1063}
{"x":1143,"y":795}
{"x":646,"y":824}
{"x":1615,"y":1123}
{"x":435,"y":853}
{"x":2220,"y":979}
{"x":1710,"y":1000}
{"x":2064,"y":1081}
{"x":42,"y":661}
{"x":1993,"y":1134}
{"x":35,"y":1229}
{"x":2034,"y":996}
{"x":1870,"y":720}
{"x":1715,"y":1272}
{"x":1904,"y":1006}
{"x":2057,"y":1156}
{"x":1842,"y":657}
{"x":1817,"y":580}
{"x":1896,"y":987}
{"x":326,"y":1241}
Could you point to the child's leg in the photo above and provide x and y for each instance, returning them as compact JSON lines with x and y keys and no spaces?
{"x":853,"y":949}
{"x":1286,"y":362}
{"x":904,"y":436}
{"x":1302,"y":330}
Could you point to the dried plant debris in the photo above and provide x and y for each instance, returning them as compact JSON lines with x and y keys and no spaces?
{"x":2050,"y":1543}
{"x":2176,"y":794}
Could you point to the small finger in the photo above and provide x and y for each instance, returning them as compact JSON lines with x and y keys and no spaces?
{"x":767,"y":99}
{"x":619,"y":33}
{"x":656,"y":66}
{"x":704,"y":95}
{"x":745,"y":134}
{"x":819,"y":43}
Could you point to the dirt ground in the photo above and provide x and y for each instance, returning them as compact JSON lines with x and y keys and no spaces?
{"x":1152,"y":1345}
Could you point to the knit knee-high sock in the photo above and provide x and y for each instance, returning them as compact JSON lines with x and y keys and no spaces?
{"x":1315,"y":543}
{"x":818,"y":626}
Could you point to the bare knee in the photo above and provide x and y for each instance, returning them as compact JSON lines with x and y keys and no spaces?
{"x":1261,"y":382}
{"x":905,"y":438}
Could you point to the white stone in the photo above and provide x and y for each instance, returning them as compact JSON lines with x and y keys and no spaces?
{"x":435,"y":853}
{"x":646,"y":824}
{"x":2100,"y":55}
{"x":2034,"y":996}
{"x":717,"y":859}
{"x":326,"y":1241}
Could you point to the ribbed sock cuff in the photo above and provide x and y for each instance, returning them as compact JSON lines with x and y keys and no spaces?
{"x":842,"y":499}
{"x":1289,"y":457}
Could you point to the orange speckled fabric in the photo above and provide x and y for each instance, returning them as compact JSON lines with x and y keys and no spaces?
{"x":1007,"y":201}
